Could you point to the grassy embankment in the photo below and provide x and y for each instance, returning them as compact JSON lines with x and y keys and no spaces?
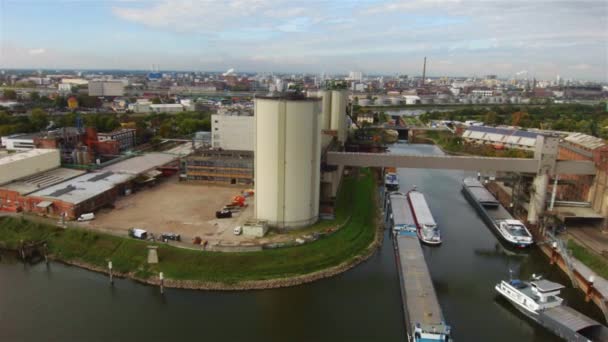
{"x":454,"y":144}
{"x":595,"y":262}
{"x":356,"y":198}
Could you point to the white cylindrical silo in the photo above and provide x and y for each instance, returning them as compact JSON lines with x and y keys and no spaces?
{"x":338,"y":113}
{"x":287,"y":160}
{"x":325,"y":96}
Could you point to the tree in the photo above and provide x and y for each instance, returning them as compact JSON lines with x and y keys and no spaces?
{"x":9,"y":94}
{"x":491,"y":118}
{"x":61,"y":102}
{"x":39,"y":119}
{"x":156,"y":100}
{"x":35,"y":96}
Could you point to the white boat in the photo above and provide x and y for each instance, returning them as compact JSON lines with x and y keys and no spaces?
{"x":495,"y":215}
{"x":539,"y":299}
{"x":427,"y":227}
{"x":531,"y":297}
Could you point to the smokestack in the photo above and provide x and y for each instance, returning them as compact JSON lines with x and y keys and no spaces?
{"x":424,"y":71}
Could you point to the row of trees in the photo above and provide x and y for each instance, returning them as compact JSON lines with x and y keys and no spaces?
{"x":592,"y":120}
{"x":161,"y":125}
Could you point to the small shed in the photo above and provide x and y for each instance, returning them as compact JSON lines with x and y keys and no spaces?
{"x":256,"y":228}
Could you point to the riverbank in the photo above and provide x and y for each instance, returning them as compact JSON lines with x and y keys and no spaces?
{"x":193,"y":269}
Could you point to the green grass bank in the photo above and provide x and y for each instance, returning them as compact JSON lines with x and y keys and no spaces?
{"x":80,"y":246}
{"x":595,"y":262}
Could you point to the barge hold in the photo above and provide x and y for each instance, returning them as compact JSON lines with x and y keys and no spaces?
{"x":539,"y":300}
{"x":423,"y":317}
{"x":427,"y":227}
{"x":495,"y":215}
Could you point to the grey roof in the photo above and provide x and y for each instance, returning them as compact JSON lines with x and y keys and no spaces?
{"x":504,"y":131}
{"x":141,"y":164}
{"x":570,"y":317}
{"x":545,"y":285}
{"x":42,"y":180}
{"x":85,"y":187}
{"x":585,"y":140}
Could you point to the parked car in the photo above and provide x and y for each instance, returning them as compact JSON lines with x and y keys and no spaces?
{"x":86,"y":217}
{"x":170,"y":236}
{"x":223,"y":214}
{"x":238,"y":230}
{"x":138,"y":233}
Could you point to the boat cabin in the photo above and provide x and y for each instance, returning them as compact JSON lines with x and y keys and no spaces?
{"x":545,"y":290}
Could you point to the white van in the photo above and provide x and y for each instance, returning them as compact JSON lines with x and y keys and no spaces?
{"x":238,"y":230}
{"x":86,"y":217}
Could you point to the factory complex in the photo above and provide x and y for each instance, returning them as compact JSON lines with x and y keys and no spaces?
{"x":42,"y":187}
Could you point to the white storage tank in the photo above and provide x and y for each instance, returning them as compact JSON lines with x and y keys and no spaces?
{"x":325,"y":96}
{"x":287,"y":160}
{"x":338,"y":113}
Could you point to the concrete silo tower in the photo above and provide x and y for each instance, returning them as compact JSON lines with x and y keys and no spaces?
{"x":338,"y":113}
{"x":287,"y":160}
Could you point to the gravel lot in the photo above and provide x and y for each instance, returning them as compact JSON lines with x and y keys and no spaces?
{"x":184,"y":208}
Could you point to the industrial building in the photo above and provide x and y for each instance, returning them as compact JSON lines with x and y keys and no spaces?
{"x":501,"y":137}
{"x":228,"y":167}
{"x":287,"y":159}
{"x":166,"y":108}
{"x":13,"y":194}
{"x":125,"y":137}
{"x":106,"y":88}
{"x":42,"y":187}
{"x":19,"y":142}
{"x":83,"y":194}
{"x":24,"y":164}
{"x":233,"y":131}
{"x":581,"y":146}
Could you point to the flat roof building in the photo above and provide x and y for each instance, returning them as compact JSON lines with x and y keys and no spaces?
{"x":505,"y":137}
{"x":220,"y":166}
{"x":106,"y":88}
{"x":233,"y":131}
{"x":24,"y":164}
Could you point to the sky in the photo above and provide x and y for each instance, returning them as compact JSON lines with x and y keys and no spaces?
{"x":532,"y":38}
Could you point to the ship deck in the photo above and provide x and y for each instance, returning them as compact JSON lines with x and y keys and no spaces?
{"x":420,"y":299}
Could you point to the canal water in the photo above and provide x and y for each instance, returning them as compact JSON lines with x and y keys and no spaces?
{"x":62,"y":303}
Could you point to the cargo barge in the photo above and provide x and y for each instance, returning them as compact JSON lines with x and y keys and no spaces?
{"x":428,"y":232}
{"x":424,"y":319}
{"x":510,"y":230}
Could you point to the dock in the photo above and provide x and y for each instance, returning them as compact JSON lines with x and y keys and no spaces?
{"x":424,"y":319}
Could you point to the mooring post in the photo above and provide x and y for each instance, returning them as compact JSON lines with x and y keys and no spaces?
{"x":110,"y":269}
{"x":161,"y":277}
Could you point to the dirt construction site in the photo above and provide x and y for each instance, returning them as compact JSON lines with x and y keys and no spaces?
{"x":175,"y":207}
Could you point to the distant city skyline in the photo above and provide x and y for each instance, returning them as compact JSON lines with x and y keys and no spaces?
{"x":539,"y":39}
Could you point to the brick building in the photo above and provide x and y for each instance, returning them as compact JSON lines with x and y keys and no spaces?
{"x":578,"y":146}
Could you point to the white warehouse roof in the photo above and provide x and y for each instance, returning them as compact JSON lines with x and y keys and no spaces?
{"x":585,"y":140}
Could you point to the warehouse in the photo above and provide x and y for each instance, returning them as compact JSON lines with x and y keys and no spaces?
{"x":24,"y":164}
{"x":217,"y":166}
{"x":83,"y":194}
{"x":12,"y":195}
{"x":501,"y":137}
{"x":95,"y":190}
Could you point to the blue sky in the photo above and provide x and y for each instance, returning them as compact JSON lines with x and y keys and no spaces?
{"x":538,"y":38}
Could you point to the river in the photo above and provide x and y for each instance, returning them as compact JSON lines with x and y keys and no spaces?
{"x":58,"y":302}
